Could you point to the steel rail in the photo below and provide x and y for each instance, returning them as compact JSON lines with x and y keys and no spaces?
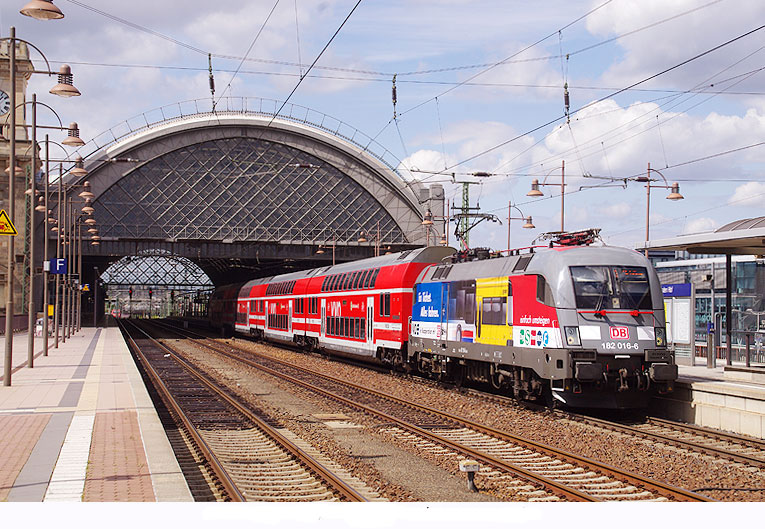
{"x":545,"y":483}
{"x":228,"y":485}
{"x":689,"y":445}
{"x":316,"y":468}
{"x":654,"y":486}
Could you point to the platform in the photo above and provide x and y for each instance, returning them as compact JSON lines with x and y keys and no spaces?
{"x":80,"y":426}
{"x":730,"y":398}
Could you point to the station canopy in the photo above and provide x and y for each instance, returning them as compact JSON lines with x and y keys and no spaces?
{"x":741,"y":237}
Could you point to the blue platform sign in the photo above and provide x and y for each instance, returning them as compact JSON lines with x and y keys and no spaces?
{"x":676,"y":290}
{"x":58,"y":266}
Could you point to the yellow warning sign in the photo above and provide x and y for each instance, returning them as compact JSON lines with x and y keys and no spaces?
{"x":6,"y":226}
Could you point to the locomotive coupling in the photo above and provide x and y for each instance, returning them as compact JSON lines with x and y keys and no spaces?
{"x":589,"y":372}
{"x":663,"y":372}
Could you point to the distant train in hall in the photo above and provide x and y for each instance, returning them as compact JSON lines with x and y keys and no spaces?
{"x":579,"y":325}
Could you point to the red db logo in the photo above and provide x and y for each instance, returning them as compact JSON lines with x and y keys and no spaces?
{"x":620,"y":333}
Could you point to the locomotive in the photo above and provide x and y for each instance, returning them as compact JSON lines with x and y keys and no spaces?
{"x":579,"y":325}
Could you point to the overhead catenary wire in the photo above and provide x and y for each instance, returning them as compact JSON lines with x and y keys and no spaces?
{"x":385,"y":74}
{"x":315,"y":61}
{"x":252,"y":45}
{"x":609,"y":96}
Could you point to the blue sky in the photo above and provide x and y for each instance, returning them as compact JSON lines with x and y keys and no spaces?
{"x":123,"y":72}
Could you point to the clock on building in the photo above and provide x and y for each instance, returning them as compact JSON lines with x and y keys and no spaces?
{"x":5,"y":103}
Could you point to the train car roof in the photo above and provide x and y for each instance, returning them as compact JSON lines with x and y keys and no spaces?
{"x":546,"y":261}
{"x":430,"y":254}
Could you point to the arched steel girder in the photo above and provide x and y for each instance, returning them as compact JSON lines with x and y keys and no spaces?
{"x":232,"y":186}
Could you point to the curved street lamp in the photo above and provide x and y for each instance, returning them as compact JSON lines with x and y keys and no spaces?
{"x":674,"y":194}
{"x":45,"y":10}
{"x":535,"y":192}
{"x":528,"y":224}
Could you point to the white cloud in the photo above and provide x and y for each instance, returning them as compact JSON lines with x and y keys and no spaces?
{"x":617,"y":211}
{"x":749,"y":194}
{"x":652,"y":50}
{"x":700,"y":225}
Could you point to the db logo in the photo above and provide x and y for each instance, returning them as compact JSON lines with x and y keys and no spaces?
{"x":620,"y":333}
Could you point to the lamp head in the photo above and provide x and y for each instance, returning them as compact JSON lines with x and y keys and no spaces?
{"x":41,"y":10}
{"x":535,"y":192}
{"x":362,"y":237}
{"x":675,"y":192}
{"x":86,"y":193}
{"x":73,"y":136}
{"x":529,"y":225}
{"x":428,"y":219}
{"x":79,"y":168}
{"x":65,"y":88}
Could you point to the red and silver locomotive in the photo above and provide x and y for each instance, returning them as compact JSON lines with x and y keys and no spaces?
{"x":579,"y":325}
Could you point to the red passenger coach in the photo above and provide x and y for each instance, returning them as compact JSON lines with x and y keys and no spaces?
{"x":361,"y":308}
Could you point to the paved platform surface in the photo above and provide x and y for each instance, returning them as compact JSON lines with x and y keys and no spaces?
{"x":80,"y":426}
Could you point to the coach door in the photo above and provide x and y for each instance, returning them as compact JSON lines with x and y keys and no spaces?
{"x":370,"y":339}
{"x":265,"y":322}
{"x":289,"y":317}
{"x":323,"y":318}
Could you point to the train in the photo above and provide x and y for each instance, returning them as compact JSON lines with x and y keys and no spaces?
{"x":579,"y":326}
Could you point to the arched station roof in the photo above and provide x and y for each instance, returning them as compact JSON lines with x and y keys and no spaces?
{"x":242,"y":186}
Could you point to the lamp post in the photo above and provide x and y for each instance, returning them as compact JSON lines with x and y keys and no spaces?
{"x":528,"y":224}
{"x":72,"y":140}
{"x":535,"y":192}
{"x":673,"y":195}
{"x":320,"y":251}
{"x":64,"y":88}
{"x":363,"y":238}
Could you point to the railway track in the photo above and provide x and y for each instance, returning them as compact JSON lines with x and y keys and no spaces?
{"x":726,"y":446}
{"x":539,"y":472}
{"x":246,"y":457}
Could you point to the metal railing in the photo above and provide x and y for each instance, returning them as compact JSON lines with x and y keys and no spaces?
{"x":754,"y":344}
{"x":242,"y":106}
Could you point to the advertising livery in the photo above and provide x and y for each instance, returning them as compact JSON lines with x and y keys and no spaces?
{"x":578,"y":325}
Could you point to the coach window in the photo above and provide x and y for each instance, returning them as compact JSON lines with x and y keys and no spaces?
{"x":252,"y":306}
{"x":346,"y":278}
{"x":357,"y":327}
{"x":356,"y":278}
{"x":374,"y":277}
{"x":363,"y":280}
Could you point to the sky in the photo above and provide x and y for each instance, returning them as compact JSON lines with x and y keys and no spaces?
{"x":677,"y":84}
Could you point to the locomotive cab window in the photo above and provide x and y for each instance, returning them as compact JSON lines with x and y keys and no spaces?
{"x":611,"y":287}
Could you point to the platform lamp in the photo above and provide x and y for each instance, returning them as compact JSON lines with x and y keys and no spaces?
{"x":528,"y":224}
{"x":64,"y":88}
{"x":72,"y":140}
{"x":42,"y":10}
{"x":363,"y":238}
{"x":674,"y":195}
{"x":427,"y":222}
{"x":535,"y":191}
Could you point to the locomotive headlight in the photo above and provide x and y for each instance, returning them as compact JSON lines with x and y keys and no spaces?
{"x":661,"y":336}
{"x":572,"y":335}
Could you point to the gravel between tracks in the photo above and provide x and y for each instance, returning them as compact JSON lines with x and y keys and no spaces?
{"x":719,"y":480}
{"x":394,"y":473}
